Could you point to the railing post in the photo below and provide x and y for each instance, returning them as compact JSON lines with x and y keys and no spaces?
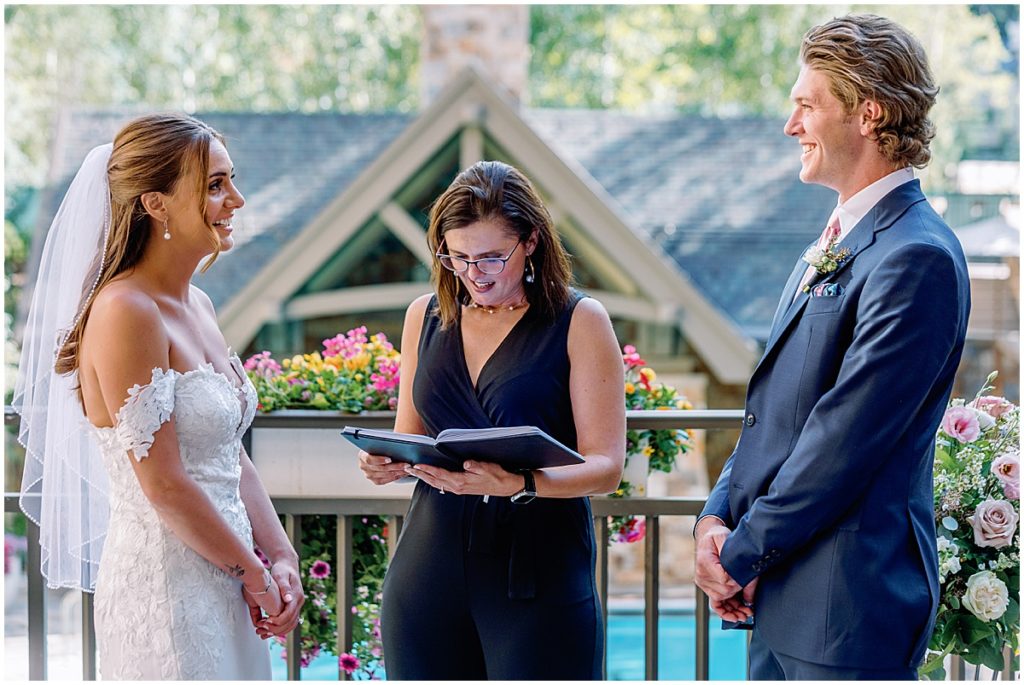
{"x":343,"y":575}
{"x":88,"y":637}
{"x":36,"y":606}
{"x":652,"y":588}
{"x":701,"y":616}
{"x":957,"y":668}
{"x":601,"y":578}
{"x":293,"y":528}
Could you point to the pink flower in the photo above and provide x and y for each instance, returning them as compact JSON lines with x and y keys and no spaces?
{"x":961,"y":423}
{"x":320,"y":569}
{"x":263,"y":364}
{"x":631,"y":358}
{"x":1006,"y":467}
{"x":994,"y":523}
{"x":992,"y":405}
{"x":348,"y":663}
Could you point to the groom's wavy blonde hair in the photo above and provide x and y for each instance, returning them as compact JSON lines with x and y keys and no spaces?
{"x":867,"y":57}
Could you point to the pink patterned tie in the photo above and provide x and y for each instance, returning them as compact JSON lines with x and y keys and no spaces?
{"x":828,"y":238}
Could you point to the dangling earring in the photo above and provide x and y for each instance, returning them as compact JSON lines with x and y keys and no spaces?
{"x":529,"y":277}
{"x":167,"y":231}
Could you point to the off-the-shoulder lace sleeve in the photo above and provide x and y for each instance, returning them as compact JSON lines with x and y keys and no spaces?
{"x":146,"y":409}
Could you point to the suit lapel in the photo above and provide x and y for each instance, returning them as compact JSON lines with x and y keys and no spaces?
{"x":787,"y":293}
{"x":881,"y":217}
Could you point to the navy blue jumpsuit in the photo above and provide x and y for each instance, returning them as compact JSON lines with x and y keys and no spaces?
{"x":494,"y":590}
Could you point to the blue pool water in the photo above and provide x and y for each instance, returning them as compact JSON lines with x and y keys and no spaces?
{"x":625,"y":651}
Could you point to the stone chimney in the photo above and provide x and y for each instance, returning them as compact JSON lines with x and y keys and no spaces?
{"x":492,"y":38}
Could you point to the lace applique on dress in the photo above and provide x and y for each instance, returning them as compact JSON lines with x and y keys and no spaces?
{"x":147,"y":408}
{"x":162,"y":611}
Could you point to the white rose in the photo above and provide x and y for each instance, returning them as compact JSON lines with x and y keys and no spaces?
{"x":953,"y":565}
{"x":986,"y":596}
{"x":985,"y":420}
{"x":814,"y":255}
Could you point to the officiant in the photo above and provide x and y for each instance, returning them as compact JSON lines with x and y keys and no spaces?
{"x":493,"y":577}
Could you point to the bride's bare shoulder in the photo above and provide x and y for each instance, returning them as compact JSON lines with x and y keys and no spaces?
{"x":124,"y":311}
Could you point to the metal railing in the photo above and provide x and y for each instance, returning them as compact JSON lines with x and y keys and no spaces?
{"x":294,"y":509}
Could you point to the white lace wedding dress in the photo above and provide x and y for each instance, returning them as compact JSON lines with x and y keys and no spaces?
{"x":162,"y":611}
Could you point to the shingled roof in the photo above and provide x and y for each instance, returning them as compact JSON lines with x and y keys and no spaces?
{"x":721,"y":196}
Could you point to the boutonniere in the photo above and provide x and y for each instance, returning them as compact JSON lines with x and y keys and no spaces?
{"x":825,"y":261}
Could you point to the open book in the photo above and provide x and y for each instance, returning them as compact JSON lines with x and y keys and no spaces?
{"x":517,"y":448}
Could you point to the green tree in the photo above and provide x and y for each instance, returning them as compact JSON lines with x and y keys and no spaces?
{"x":728,"y":60}
{"x":348,"y":58}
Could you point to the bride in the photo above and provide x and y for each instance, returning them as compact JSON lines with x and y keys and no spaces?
{"x":133,"y":411}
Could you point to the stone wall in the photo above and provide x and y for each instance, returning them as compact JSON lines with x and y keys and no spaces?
{"x":492,"y":38}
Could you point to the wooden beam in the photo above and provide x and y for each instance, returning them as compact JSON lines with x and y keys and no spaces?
{"x":406,"y":229}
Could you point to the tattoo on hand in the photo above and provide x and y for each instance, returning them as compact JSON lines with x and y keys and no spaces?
{"x":236,"y":570}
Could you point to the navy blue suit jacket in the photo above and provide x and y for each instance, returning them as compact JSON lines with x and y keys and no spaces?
{"x":829,"y":489}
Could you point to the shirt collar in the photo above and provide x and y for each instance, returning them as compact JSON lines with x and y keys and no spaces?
{"x":856,"y":208}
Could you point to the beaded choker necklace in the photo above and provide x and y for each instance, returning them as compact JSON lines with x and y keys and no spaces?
{"x":502,"y":308}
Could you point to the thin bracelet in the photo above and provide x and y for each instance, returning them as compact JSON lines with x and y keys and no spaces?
{"x":270,"y":579}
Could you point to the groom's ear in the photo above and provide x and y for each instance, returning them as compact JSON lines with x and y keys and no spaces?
{"x":869,"y":113}
{"x":155,"y":205}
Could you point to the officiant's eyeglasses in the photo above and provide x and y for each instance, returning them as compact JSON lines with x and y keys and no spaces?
{"x":488,"y":265}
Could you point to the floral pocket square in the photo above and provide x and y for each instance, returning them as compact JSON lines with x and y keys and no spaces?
{"x":827,"y":290}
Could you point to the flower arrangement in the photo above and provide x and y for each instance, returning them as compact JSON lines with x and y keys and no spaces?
{"x":320,"y":624}
{"x":660,"y":447}
{"x":352,"y":374}
{"x":977,"y":509}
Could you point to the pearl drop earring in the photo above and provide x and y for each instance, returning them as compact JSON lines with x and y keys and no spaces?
{"x":167,"y":231}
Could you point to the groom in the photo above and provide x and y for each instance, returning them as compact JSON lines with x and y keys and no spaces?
{"x":821,"y":524}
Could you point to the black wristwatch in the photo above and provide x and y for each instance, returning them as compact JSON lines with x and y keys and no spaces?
{"x":529,"y":491}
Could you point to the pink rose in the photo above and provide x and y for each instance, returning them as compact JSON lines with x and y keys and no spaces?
{"x":994,"y":523}
{"x":1006,"y":468}
{"x":992,"y":405}
{"x":961,"y":423}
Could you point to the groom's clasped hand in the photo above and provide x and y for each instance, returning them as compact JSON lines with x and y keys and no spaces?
{"x":727,"y":598}
{"x":277,"y":610}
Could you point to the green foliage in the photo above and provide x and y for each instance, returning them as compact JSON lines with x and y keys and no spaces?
{"x":741,"y":60}
{"x":369,"y":563}
{"x":308,"y":58}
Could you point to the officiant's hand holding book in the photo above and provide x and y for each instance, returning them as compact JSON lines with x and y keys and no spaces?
{"x":515,"y":448}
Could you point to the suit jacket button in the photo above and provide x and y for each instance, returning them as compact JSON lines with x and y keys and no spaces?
{"x":751,"y":419}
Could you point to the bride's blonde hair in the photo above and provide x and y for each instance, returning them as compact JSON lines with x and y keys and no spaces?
{"x":151,"y":154}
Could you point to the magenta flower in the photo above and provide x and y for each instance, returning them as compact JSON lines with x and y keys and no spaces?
{"x":348,"y":663}
{"x":320,"y":569}
{"x":961,"y":423}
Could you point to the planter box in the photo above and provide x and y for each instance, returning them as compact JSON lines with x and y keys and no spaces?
{"x":299,"y":453}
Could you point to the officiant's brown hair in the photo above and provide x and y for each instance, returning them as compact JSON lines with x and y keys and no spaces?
{"x":495,"y":191}
{"x":868,"y":57}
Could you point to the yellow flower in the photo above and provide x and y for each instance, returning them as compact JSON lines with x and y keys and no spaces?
{"x":648,"y":451}
{"x":630,"y":388}
{"x":648,"y":373}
